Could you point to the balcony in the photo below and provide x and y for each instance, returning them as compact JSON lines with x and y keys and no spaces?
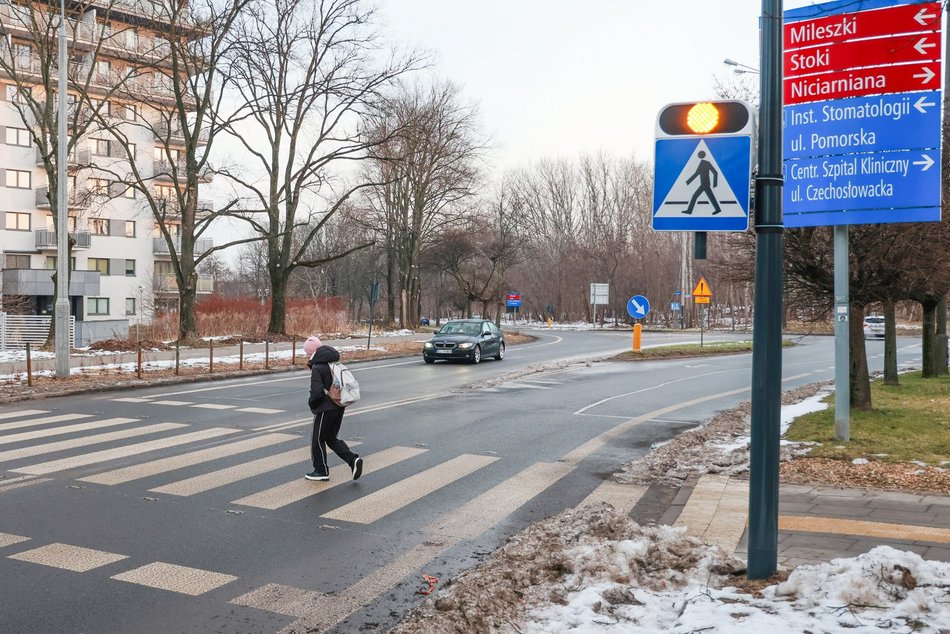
{"x":77,"y":199}
{"x":160,"y":246}
{"x":76,"y":159}
{"x":164,"y":171}
{"x":168,"y":284}
{"x":46,"y":239}
{"x":40,"y":282}
{"x":171,"y":132}
{"x":16,"y":20}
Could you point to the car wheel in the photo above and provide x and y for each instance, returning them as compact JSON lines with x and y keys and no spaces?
{"x":429,"y":360}
{"x":477,"y":354}
{"x":501,"y":352}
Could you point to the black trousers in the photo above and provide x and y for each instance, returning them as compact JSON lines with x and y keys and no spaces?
{"x":326,"y":426}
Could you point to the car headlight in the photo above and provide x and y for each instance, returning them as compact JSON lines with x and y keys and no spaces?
{"x":466,"y":346}
{"x":427,"y":344}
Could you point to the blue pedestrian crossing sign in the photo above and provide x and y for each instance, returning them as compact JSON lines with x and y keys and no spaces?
{"x":703,"y":167}
{"x":638,"y":306}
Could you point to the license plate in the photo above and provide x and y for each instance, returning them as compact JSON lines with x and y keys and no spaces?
{"x":443,"y":352}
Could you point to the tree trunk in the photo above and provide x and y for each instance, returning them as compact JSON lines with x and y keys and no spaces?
{"x":928,"y":352}
{"x":860,"y":384}
{"x":187,"y":323}
{"x":890,"y":345}
{"x":278,"y":306}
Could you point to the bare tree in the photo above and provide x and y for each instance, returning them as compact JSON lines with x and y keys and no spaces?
{"x":426,"y":170}
{"x":307,"y":81}
{"x":179,"y":86}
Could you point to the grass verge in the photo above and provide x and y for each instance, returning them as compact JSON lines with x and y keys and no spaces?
{"x":687,"y":350}
{"x":908,"y":422}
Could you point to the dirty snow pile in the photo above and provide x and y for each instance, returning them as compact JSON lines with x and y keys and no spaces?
{"x":595,"y":570}
{"x":720,"y":445}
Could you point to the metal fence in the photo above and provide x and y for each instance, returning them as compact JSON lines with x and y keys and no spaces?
{"x":16,"y":330}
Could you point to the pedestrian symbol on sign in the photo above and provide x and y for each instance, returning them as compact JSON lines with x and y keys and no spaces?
{"x":699,"y":189}
{"x":703,"y":170}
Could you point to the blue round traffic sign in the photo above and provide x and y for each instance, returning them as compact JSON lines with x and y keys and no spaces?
{"x":638,"y":306}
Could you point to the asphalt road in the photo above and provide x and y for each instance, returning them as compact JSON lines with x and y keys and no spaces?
{"x":184,"y":509}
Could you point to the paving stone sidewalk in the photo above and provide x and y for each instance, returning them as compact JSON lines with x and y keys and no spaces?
{"x":816,"y":523}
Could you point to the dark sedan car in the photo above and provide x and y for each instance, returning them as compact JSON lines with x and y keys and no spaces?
{"x":466,"y":339}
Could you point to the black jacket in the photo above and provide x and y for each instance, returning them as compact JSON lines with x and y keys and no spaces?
{"x":321,"y":378}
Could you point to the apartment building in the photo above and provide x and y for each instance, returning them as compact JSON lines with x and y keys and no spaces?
{"x":121,"y":270}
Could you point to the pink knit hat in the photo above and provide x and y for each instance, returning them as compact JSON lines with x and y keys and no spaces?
{"x":311,"y":344}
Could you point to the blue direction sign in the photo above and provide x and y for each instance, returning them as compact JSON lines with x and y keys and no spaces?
{"x":862,"y":188}
{"x":638,"y":306}
{"x":702,"y":184}
{"x":863,"y":124}
{"x":864,"y":159}
{"x":675,"y":306}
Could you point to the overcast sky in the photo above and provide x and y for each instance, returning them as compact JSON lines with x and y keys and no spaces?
{"x":559,"y":78}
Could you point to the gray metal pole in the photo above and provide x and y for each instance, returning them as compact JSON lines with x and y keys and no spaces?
{"x":767,"y":332}
{"x":842,"y":344}
{"x":62,"y":235}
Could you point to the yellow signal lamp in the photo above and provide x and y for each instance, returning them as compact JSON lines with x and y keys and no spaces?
{"x":702,"y":118}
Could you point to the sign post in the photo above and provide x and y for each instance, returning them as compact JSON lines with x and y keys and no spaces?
{"x":701,"y":295}
{"x":599,"y":295}
{"x":513,"y":300}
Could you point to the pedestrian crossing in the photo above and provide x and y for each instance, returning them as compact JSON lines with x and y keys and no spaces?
{"x":245,"y":468}
{"x":212,"y":406}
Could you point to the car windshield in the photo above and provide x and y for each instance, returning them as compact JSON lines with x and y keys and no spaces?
{"x":875,"y":320}
{"x":460,"y":328}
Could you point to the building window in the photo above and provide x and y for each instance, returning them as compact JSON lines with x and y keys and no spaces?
{"x":14,"y":261}
{"x":131,"y":155}
{"x":17,"y":221}
{"x":129,"y":193}
{"x":98,"y":186}
{"x":19,"y":179}
{"x":99,"y":264}
{"x":100,"y":147}
{"x":15,"y":94}
{"x":130,"y":268}
{"x":18,"y":136}
{"x":98,"y":305}
{"x":99,"y":226}
{"x":103,"y":68}
{"x":129,"y":305}
{"x":51,"y":263}
{"x":129,"y":228}
{"x":130,"y":112}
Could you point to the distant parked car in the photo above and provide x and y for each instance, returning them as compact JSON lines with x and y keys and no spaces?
{"x":874,"y":326}
{"x":465,"y":339}
{"x":424,"y":321}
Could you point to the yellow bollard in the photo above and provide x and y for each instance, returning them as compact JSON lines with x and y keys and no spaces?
{"x":637,"y":331}
{"x":550,"y":322}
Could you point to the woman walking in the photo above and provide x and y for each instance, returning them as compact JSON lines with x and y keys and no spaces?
{"x":327,"y":415}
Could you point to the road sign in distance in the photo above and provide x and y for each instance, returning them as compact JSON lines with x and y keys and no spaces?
{"x":638,"y":306}
{"x":702,"y":289}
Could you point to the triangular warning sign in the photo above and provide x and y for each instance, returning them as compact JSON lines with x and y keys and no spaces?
{"x":701,"y":189}
{"x":702,"y":289}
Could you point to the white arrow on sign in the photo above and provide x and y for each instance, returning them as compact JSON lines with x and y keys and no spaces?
{"x":927,"y":162}
{"x":923,"y":18}
{"x":922,"y":45}
{"x":636,"y":305}
{"x":925,"y":76}
{"x":922,"y":103}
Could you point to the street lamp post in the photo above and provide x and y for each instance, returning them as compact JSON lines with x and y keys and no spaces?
{"x":62,"y":235}
{"x":739,"y":68}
